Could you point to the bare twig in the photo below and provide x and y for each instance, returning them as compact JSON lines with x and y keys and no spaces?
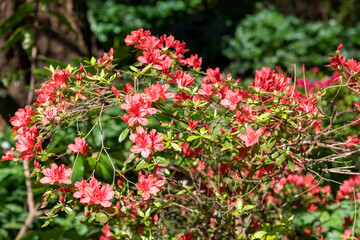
{"x":30,"y":197}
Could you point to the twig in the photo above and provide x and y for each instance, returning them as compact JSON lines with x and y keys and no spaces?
{"x":30,"y":196}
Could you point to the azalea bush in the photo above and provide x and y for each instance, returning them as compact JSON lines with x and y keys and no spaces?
{"x":204,"y":158}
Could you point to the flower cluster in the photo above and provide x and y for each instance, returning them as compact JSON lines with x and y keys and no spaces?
{"x":151,"y":184}
{"x":146,"y":143}
{"x":91,"y":193}
{"x":56,"y":174}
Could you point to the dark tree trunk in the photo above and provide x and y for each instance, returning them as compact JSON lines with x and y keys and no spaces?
{"x":53,"y":38}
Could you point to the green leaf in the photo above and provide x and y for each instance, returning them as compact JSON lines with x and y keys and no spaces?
{"x":130,"y":158}
{"x":12,"y":225}
{"x":146,"y":68}
{"x":93,"y":61}
{"x":78,"y":172}
{"x":46,"y":223}
{"x":263,"y":117}
{"x":271,"y":143}
{"x":239,"y":204}
{"x":192,"y":138}
{"x":147,"y":213}
{"x":68,"y":210}
{"x":206,"y":136}
{"x":101,"y":217}
{"x":274,"y":155}
{"x":134,"y":69}
{"x":140,"y":213}
{"x":124,"y":134}
{"x":280,"y":159}
{"x":143,"y":164}
{"x":291,"y":165}
{"x":248,"y":207}
{"x":111,"y":211}
{"x":258,"y":235}
{"x":272,"y":237}
{"x":13,"y":208}
{"x":203,"y":131}
{"x":15,"y":37}
{"x":176,"y":147}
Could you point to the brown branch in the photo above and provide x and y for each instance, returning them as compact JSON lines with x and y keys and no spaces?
{"x":30,"y":196}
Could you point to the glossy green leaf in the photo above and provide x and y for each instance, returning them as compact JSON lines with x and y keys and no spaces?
{"x":191,"y":138}
{"x":258,"y":235}
{"x":123,"y":135}
{"x":176,"y":147}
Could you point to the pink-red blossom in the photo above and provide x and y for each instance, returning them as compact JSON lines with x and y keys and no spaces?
{"x":137,"y":110}
{"x":9,"y":155}
{"x":151,"y":184}
{"x":91,"y":193}
{"x":80,"y":146}
{"x":56,"y":174}
{"x":251,"y":137}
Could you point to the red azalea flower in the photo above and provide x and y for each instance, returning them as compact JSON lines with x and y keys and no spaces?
{"x":152,"y":56}
{"x":180,"y":97}
{"x":137,"y":108}
{"x":90,"y":193}
{"x":26,"y":142}
{"x":80,"y":146}
{"x":142,"y":142}
{"x":192,"y":124}
{"x":251,"y":137}
{"x":22,"y":118}
{"x":115,"y":91}
{"x":8,"y":155}
{"x":107,"y":58}
{"x":348,"y":234}
{"x":136,"y":35}
{"x":46,"y":93}
{"x":156,"y":141}
{"x":336,"y":61}
{"x":206,"y":89}
{"x":233,"y":98}
{"x":56,"y":174}
{"x":352,"y":141}
{"x":213,"y":76}
{"x":313,"y":207}
{"x":194,"y":61}
{"x":182,"y":79}
{"x":352,"y":65}
{"x":270,"y":81}
{"x":50,"y":115}
{"x":106,"y":233}
{"x":186,"y":237}
{"x":158,"y":92}
{"x":166,"y":42}
{"x":59,"y":78}
{"x":150,"y":185}
{"x":164,"y":64}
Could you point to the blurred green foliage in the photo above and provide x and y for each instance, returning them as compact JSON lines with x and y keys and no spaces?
{"x":12,"y":185}
{"x":269,"y":38}
{"x":200,"y":23}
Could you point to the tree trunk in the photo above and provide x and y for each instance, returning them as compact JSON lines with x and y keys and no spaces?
{"x":53,"y":38}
